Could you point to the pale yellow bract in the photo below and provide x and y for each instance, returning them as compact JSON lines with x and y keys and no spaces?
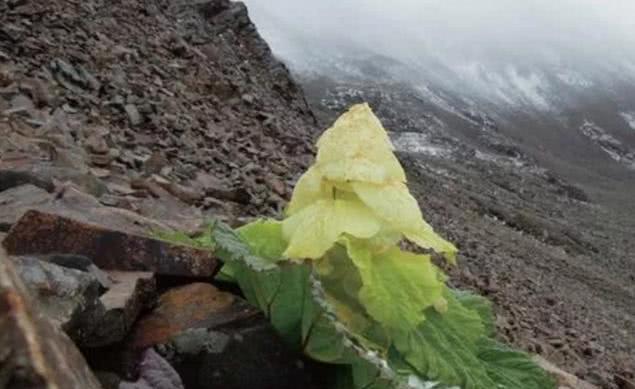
{"x":355,"y":187}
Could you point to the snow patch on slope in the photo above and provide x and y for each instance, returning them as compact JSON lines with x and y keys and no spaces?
{"x":418,"y":143}
{"x":609,"y":144}
{"x":575,"y":79}
{"x":629,"y":118}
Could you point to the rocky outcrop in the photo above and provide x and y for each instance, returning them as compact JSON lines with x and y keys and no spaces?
{"x":215,"y":339}
{"x":35,"y":352}
{"x":112,"y":249}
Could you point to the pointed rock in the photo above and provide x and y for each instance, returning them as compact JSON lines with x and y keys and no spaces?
{"x":35,"y":352}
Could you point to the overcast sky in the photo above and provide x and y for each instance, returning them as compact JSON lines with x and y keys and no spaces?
{"x":453,"y":29}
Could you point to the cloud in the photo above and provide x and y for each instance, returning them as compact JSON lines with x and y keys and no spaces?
{"x":453,"y":30}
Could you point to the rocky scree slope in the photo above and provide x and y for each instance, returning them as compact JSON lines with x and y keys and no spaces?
{"x":121,"y":118}
{"x":130,"y":89}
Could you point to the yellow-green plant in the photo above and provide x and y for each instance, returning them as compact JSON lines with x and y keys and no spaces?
{"x":355,"y":195}
{"x":335,"y":283}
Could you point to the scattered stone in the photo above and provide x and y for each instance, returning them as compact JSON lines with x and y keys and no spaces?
{"x":154,"y":373}
{"x":110,"y":249}
{"x":238,"y":195}
{"x":80,"y":262}
{"x":565,"y":380}
{"x":96,"y":144}
{"x":277,"y":185}
{"x":35,"y":352}
{"x":155,"y":163}
{"x":101,"y":160}
{"x":183,"y":193}
{"x":69,"y":293}
{"x":16,"y":201}
{"x":100,"y":173}
{"x":133,"y":114}
{"x":624,"y":383}
{"x":12,"y":178}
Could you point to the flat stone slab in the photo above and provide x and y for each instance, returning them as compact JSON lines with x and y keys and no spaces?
{"x":110,"y":249}
{"x":35,"y":353}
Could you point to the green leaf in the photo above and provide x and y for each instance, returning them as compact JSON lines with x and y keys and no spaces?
{"x":481,"y":305}
{"x":397,"y":285}
{"x":279,"y":293}
{"x":230,"y":247}
{"x":265,"y":239}
{"x":512,"y":369}
{"x":454,"y":348}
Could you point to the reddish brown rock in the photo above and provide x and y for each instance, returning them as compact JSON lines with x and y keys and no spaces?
{"x":35,"y":353}
{"x":110,"y":249}
{"x":197,"y":305}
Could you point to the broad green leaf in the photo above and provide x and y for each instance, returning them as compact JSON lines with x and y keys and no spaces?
{"x":397,"y":285}
{"x":512,"y":369}
{"x":315,"y":229}
{"x":480,"y":305}
{"x":393,"y":203}
{"x":265,"y":238}
{"x":357,"y":148}
{"x":454,"y":348}
{"x":230,"y":247}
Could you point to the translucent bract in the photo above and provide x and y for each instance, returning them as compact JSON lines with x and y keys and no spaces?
{"x":355,"y":187}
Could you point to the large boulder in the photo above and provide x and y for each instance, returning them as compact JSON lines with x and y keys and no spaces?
{"x":110,"y":248}
{"x":217,"y":340}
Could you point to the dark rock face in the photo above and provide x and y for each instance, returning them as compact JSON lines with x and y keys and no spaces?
{"x":44,"y":233}
{"x":214,"y":339}
{"x":117,"y":309}
{"x":35,"y":352}
{"x":154,"y":373}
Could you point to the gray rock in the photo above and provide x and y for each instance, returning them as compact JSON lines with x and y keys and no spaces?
{"x":154,"y":373}
{"x":70,"y":297}
{"x":133,"y":114}
{"x":65,"y":295}
{"x":35,"y":352}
